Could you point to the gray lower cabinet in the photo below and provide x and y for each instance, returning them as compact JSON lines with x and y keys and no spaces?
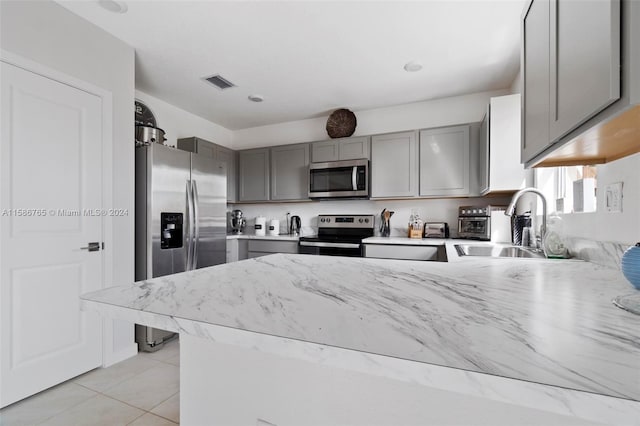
{"x":237,"y":249}
{"x":217,"y":152}
{"x":406,"y":252}
{"x":340,"y":149}
{"x":444,"y":161}
{"x":257,"y":248}
{"x":253,"y":175}
{"x":394,"y":165}
{"x":290,"y":172}
{"x":232,"y":250}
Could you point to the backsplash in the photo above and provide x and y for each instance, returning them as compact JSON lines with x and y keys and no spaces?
{"x":430,"y":210}
{"x":603,"y":253}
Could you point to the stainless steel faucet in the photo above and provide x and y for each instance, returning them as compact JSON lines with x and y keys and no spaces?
{"x":512,"y":208}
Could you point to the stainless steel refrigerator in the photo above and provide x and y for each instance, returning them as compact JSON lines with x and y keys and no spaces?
{"x":181,"y":201}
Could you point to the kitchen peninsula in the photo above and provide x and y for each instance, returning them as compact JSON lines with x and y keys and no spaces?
{"x":294,"y":339}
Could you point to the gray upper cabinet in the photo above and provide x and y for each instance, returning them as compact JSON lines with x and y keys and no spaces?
{"x":499,"y":148}
{"x":340,"y":149}
{"x":321,"y":152}
{"x":199,"y":146}
{"x":290,"y":172}
{"x":394,"y":165}
{"x":353,"y":148}
{"x":535,"y":79}
{"x":253,"y":175}
{"x":572,"y":76}
{"x":444,"y":161}
{"x":585,"y":61}
{"x":483,"y":153}
{"x":230,"y":157}
{"x":217,"y":152}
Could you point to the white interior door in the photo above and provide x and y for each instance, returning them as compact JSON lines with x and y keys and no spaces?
{"x":50,"y":172}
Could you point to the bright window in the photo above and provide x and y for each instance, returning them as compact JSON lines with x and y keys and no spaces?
{"x":569,"y":189}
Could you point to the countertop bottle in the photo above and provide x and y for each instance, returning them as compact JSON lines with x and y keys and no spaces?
{"x":553,"y":243}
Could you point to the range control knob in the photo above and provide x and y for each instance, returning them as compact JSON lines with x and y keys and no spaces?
{"x":328,"y":219}
{"x":322,"y":219}
{"x":366,"y":221}
{"x":360,"y":220}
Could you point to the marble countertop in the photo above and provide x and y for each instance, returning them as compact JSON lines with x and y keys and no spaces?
{"x":283,"y":237}
{"x":542,"y":321}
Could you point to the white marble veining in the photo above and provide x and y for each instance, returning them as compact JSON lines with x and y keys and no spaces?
{"x":545,"y":321}
{"x":601,"y":252}
{"x":585,"y":405}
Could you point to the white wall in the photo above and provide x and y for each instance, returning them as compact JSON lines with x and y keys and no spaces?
{"x":436,"y":210}
{"x":621,"y":227}
{"x":516,"y":86}
{"x":178,"y":123}
{"x":418,"y":115}
{"x":47,"y":33}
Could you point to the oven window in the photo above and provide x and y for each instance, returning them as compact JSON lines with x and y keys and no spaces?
{"x":474,"y":226}
{"x":330,"y":180}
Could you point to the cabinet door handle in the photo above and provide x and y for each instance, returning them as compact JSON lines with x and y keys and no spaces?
{"x":95,"y":246}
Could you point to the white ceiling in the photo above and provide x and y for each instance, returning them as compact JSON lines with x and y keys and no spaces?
{"x":309,"y":58}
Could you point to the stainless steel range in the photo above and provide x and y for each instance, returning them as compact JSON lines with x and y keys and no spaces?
{"x":339,"y":235}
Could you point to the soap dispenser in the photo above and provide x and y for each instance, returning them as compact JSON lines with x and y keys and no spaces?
{"x":553,"y":242}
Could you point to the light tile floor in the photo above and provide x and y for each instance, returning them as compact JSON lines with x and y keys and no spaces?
{"x":141,"y":391}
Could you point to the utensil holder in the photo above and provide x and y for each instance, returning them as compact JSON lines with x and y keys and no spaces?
{"x":385,"y":231}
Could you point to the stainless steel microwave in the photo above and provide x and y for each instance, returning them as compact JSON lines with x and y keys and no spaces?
{"x":339,"y":179}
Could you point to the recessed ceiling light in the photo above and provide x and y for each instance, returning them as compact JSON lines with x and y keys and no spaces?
{"x":256,"y":98}
{"x":113,"y":6}
{"x":412,"y":66}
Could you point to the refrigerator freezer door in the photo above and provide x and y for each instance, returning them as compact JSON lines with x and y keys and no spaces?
{"x":209,"y":189}
{"x":163,"y":177}
{"x":170,"y":176}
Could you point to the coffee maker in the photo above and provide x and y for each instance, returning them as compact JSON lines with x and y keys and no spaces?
{"x":237,"y":221}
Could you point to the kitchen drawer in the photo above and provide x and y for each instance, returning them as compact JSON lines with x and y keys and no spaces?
{"x":270,"y":246}
{"x":404,"y":252}
{"x":254,"y":254}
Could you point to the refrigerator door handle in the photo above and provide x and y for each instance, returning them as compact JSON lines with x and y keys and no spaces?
{"x":196,"y":225}
{"x":189,"y":227}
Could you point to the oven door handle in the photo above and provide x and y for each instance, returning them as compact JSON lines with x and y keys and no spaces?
{"x":330,"y":245}
{"x":354,"y":178}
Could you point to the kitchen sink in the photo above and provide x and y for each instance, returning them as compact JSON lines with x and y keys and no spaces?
{"x":497,"y":251}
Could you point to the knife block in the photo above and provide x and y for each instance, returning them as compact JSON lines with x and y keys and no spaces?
{"x":415,"y":233}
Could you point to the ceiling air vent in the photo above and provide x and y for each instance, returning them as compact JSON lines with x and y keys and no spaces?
{"x":220,"y":82}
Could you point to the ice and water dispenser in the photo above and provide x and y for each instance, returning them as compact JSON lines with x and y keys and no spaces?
{"x":170,"y":230}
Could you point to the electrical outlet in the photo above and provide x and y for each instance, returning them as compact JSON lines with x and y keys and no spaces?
{"x":613,"y":198}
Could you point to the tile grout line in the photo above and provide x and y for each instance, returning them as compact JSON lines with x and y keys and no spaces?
{"x":96,"y":393}
{"x":137,"y":417}
{"x":71,"y":407}
{"x":144,"y":411}
{"x":117,"y":400}
{"x":155,"y":414}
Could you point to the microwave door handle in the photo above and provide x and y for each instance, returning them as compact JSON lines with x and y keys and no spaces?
{"x":354,"y":178}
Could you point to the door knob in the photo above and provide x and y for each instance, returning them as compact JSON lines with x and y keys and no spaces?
{"x":92,"y":247}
